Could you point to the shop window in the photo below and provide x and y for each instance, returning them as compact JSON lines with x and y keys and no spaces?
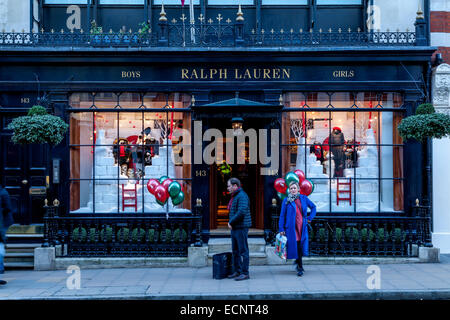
{"x":354,"y":155}
{"x":338,"y":2}
{"x":121,"y":2}
{"x":114,"y":154}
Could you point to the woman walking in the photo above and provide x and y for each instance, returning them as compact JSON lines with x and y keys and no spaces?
{"x":293,"y":224}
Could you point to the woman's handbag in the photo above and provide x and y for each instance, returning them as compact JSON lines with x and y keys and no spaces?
{"x":280,"y":246}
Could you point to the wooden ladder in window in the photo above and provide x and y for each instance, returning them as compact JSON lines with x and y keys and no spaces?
{"x":347,"y":191}
{"x":130,"y":195}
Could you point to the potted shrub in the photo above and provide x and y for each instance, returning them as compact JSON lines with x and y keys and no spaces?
{"x":38,"y":127}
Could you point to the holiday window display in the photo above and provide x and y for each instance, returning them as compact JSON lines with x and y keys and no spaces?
{"x":132,"y":158}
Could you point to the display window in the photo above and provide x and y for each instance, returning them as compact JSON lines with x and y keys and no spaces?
{"x":114,"y":154}
{"x":348,"y":146}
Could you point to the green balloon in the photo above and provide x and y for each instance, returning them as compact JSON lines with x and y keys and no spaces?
{"x":161,"y":180}
{"x":174,"y":189}
{"x":178,"y":199}
{"x":281,"y":195}
{"x":291,"y":176}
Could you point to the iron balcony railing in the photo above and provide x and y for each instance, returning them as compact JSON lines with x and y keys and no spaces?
{"x":207,"y":35}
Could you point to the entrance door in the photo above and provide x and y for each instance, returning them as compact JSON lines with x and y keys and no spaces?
{"x":251,"y":183}
{"x":23,"y":173}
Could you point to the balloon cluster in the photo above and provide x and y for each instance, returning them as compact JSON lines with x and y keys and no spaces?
{"x":282,"y":184}
{"x":164,"y":188}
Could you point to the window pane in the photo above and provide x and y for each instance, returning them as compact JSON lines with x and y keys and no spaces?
{"x":284,"y":2}
{"x":65,"y":1}
{"x":106,"y":195}
{"x":106,"y":100}
{"x":175,"y":2}
{"x":80,"y":196}
{"x":391,"y":161}
{"x":392,"y":198}
{"x":122,"y":2}
{"x":81,"y":162}
{"x":130,"y":100}
{"x":230,"y":2}
{"x":81,"y":128}
{"x":82,"y":100}
{"x":367,"y":195}
{"x":155,"y":100}
{"x":339,"y":2}
{"x":105,"y":128}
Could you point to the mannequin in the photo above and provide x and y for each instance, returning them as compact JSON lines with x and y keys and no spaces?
{"x":337,"y":141}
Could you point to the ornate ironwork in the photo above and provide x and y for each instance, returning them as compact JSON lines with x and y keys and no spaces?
{"x":122,"y":235}
{"x":201,"y":34}
{"x":365,"y":235}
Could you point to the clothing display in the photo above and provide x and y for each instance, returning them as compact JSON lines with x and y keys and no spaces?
{"x":337,"y":141}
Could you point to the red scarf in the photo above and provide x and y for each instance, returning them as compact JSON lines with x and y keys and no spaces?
{"x":232,"y":197}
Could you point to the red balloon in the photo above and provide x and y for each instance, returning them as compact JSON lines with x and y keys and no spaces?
{"x":280,"y":185}
{"x":306,"y":187}
{"x":166,"y":184}
{"x":151,"y":185}
{"x":300,"y":174}
{"x":161,"y":194}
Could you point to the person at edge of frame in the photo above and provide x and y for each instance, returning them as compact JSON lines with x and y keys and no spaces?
{"x":239,"y":222}
{"x":6,"y":220}
{"x":293,"y":224}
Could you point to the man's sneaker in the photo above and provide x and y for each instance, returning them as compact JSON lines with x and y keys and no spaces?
{"x":2,"y":282}
{"x":300,"y":273}
{"x":242,"y":277}
{"x":234,"y":275}
{"x":298,"y":269}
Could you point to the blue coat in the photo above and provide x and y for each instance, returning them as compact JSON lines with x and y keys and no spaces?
{"x":287,"y":224}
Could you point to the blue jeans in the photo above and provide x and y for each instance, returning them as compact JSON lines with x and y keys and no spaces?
{"x":239,"y":245}
{"x":2,"y":257}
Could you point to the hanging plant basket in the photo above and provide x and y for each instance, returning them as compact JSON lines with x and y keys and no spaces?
{"x":38,"y":127}
{"x":426,"y":123}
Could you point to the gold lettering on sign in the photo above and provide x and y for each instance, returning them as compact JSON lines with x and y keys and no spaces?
{"x":131,"y":74}
{"x":237,"y":73}
{"x":25,"y":100}
{"x":343,"y":74}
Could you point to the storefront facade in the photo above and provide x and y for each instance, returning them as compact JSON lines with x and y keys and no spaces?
{"x":144,"y":112}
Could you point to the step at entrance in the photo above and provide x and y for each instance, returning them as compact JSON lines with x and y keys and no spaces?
{"x":257,"y":248}
{"x":20,"y":250}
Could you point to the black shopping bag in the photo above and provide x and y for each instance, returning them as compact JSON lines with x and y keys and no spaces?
{"x":222,"y":265}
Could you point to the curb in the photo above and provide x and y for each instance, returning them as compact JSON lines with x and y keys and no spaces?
{"x":314,"y":295}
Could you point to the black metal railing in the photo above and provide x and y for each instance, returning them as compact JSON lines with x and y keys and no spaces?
{"x":147,"y":234}
{"x":365,"y":235}
{"x":207,"y":35}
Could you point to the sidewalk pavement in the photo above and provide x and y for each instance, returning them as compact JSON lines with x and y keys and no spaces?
{"x":398,"y":281}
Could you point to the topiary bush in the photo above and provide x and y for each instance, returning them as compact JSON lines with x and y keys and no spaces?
{"x":351,"y":234}
{"x":166,"y":236}
{"x":106,"y":234}
{"x":138,"y":235}
{"x":398,"y":235}
{"x":367,"y":234}
{"x":382,"y":235}
{"x":152,"y":235}
{"x":123,"y":234}
{"x":38,"y":127}
{"x":78,"y":236}
{"x":425,"y":108}
{"x":425,"y":124}
{"x":179,"y":235}
{"x":338,"y":234}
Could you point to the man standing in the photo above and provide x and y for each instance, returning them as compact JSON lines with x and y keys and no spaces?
{"x":5,"y":221}
{"x":239,"y":222}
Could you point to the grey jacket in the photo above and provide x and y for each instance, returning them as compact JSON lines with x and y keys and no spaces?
{"x":240,"y":217}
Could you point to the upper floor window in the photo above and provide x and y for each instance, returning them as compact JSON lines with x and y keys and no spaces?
{"x":121,"y":2}
{"x":339,"y":2}
{"x":66,"y":1}
{"x":230,"y":2}
{"x":175,"y":2}
{"x":284,"y":2}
